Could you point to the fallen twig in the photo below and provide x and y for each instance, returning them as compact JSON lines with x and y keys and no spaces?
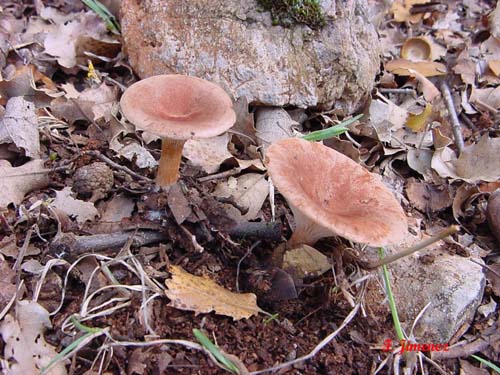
{"x":107,"y":160}
{"x":455,"y":124}
{"x":71,"y":245}
{"x":262,"y":230}
{"x":217,"y":176}
{"x":317,"y":348}
{"x":386,"y":260}
{"x":462,"y":350}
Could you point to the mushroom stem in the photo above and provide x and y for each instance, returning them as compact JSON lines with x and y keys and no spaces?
{"x":306,"y":231}
{"x":170,"y":161}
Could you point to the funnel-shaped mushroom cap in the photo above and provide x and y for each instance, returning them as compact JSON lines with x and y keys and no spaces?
{"x":331,"y":194}
{"x":178,"y":107}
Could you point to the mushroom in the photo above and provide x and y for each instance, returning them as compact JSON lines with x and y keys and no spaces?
{"x":177,"y":108}
{"x":331,"y":194}
{"x":416,"y":49}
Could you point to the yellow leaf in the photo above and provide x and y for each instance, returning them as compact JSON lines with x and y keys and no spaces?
{"x":418,"y":123}
{"x":202,"y":295}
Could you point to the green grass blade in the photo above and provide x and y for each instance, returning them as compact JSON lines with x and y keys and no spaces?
{"x":487,"y":363}
{"x":331,"y":132}
{"x":105,"y":14}
{"x":205,"y":341}
{"x":390,"y":297}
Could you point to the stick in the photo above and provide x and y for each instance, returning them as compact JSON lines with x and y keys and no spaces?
{"x":262,"y":230}
{"x":70,"y":245}
{"x":455,"y":124}
{"x":216,"y":176}
{"x":444,"y":233}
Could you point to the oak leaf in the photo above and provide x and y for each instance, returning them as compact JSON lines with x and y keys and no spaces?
{"x":202,"y":295}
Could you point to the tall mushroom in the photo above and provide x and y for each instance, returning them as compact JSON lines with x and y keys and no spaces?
{"x":331,"y":194}
{"x":177,"y":108}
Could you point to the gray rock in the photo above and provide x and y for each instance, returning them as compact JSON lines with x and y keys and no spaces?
{"x":233,"y":43}
{"x":454,"y":285}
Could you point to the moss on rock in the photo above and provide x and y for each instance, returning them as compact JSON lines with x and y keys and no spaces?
{"x":288,"y":12}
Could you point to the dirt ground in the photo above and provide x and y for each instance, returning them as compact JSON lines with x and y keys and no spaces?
{"x":129,"y":309}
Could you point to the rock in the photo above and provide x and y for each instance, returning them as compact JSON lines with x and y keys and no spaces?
{"x":95,"y":179}
{"x":493,"y":213}
{"x":454,"y":285}
{"x":234,"y":43}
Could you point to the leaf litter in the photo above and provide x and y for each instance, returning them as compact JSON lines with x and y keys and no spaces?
{"x":62,"y":106}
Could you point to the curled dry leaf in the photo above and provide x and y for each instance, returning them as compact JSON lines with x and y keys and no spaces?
{"x":19,"y":125}
{"x":21,"y":82}
{"x":207,"y":153}
{"x":7,"y":282}
{"x":64,"y":202}
{"x":305,"y":261}
{"x":17,"y":182}
{"x":84,"y":33}
{"x":202,"y":295}
{"x":429,"y":198}
{"x":133,"y":151}
{"x":91,"y":104}
{"x":386,"y":118}
{"x":418,"y":122}
{"x":273,"y":124}
{"x":493,"y":214}
{"x":477,"y":162}
{"x":426,"y":68}
{"x":428,"y":89}
{"x":24,"y":340}
{"x":248,"y":191}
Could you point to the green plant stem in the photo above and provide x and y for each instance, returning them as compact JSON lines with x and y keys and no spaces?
{"x":392,"y":302}
{"x":487,"y":363}
{"x":331,"y":132}
{"x":205,"y":342}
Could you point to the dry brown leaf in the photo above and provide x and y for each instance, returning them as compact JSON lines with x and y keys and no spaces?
{"x":91,"y":104}
{"x":428,"y":89}
{"x":25,"y":345}
{"x":305,"y":261}
{"x":17,"y":182}
{"x":426,"y":68}
{"x":420,"y":160}
{"x":401,"y":10}
{"x":386,"y":118}
{"x":495,"y":21}
{"x":248,"y":191}
{"x":477,"y":162}
{"x":116,"y":209}
{"x":20,"y":81}
{"x":273,"y":124}
{"x":487,"y":98}
{"x":495,"y":280}
{"x":427,"y":197}
{"x":132,"y":150}
{"x":207,"y":153}
{"x":178,"y":204}
{"x":244,"y":126}
{"x":82,"y":210}
{"x":7,"y":282}
{"x":202,"y":295}
{"x":494,"y":65}
{"x":84,"y":33}
{"x":19,"y":125}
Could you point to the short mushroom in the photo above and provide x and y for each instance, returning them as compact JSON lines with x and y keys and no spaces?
{"x":177,"y":108}
{"x":331,"y":194}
